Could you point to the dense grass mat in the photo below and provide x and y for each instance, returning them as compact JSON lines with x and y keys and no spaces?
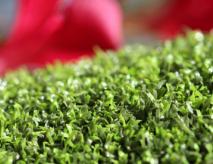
{"x":139,"y":105}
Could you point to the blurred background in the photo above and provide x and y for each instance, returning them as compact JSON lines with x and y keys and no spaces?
{"x":136,"y":12}
{"x":7,"y":16}
{"x":34,"y":33}
{"x":135,"y":30}
{"x":139,"y":15}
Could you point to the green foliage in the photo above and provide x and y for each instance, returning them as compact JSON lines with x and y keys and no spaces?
{"x":139,"y":105}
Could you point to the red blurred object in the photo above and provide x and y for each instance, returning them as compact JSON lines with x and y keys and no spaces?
{"x":66,"y":30}
{"x":181,"y":14}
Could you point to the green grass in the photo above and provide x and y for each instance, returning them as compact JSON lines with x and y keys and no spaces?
{"x":139,"y":105}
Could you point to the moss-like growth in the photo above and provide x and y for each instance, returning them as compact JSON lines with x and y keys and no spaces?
{"x":139,"y":105}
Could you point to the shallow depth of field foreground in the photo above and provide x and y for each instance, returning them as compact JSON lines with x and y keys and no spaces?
{"x":138,"y":105}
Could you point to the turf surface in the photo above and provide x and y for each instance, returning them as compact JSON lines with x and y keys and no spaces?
{"x":138,"y":105}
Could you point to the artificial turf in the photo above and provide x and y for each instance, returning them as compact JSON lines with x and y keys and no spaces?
{"x":137,"y":105}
